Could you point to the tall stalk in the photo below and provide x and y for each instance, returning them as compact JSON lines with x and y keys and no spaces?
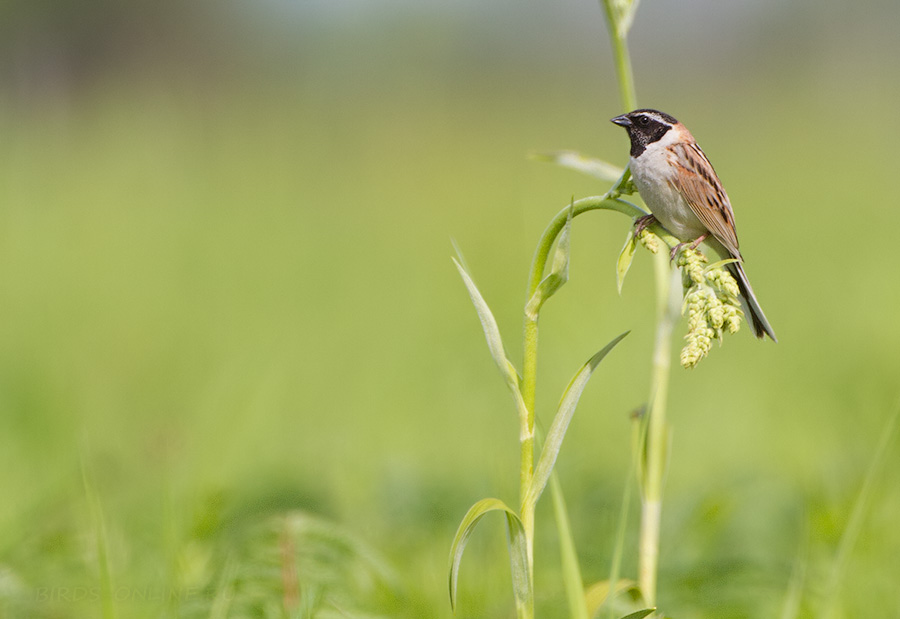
{"x":619,"y":16}
{"x":609,"y":201}
{"x":668,"y":296}
{"x":534,"y":477}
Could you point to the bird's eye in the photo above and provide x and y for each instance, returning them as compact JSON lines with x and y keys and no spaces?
{"x":643,"y":121}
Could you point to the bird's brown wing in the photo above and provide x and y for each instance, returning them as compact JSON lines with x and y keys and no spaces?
{"x":700,"y":186}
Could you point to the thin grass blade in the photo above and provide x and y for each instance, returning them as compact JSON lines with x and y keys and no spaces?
{"x":560,"y":424}
{"x":719,"y":264}
{"x":518,"y":563}
{"x":459,"y":255}
{"x":494,"y":341}
{"x":580,"y":163}
{"x":615,"y":569}
{"x":518,"y":552}
{"x":568,"y":554}
{"x":640,"y":614}
{"x":488,"y":322}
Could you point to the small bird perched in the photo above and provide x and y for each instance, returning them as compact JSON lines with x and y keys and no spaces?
{"x":684,"y":194}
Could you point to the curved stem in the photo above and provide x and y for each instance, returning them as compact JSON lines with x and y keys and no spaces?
{"x":609,"y":201}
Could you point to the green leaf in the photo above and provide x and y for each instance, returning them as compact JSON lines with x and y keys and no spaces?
{"x":488,"y":323}
{"x":720,"y":264}
{"x":640,"y":614}
{"x":459,"y":255}
{"x":559,"y":271}
{"x":518,"y":552}
{"x":518,"y":563}
{"x":615,"y":582}
{"x":568,"y":555}
{"x":494,"y":341}
{"x":580,"y":163}
{"x":560,"y":424}
{"x":625,"y":258}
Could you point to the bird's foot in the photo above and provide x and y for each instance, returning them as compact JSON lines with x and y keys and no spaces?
{"x":691,"y":244}
{"x":642,"y":222}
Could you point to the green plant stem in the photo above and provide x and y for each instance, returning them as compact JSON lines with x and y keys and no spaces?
{"x":526,"y":476}
{"x":668,"y":296}
{"x":619,"y":40}
{"x":608,"y":201}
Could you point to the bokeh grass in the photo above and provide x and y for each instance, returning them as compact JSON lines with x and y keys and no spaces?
{"x":235,"y":302}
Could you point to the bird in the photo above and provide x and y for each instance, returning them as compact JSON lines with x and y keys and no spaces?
{"x":683,"y":192}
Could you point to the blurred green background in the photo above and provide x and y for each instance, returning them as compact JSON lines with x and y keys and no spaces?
{"x":239,"y":375}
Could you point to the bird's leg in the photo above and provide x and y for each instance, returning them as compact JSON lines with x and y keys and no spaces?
{"x":642,"y":222}
{"x":699,"y":240}
{"x":693,"y":245}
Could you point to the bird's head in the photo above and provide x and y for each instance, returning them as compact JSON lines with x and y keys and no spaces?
{"x":645,"y":127}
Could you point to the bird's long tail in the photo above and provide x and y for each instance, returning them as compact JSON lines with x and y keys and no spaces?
{"x":752,"y":309}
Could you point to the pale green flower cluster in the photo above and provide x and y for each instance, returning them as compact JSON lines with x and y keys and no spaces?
{"x":711,"y":302}
{"x":649,"y":240}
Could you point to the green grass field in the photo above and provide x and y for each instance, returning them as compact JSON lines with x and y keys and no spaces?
{"x":240,"y":377}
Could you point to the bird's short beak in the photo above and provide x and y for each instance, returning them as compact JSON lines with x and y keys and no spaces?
{"x":622,"y":121}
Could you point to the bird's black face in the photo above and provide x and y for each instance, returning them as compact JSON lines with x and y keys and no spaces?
{"x":644,"y":127}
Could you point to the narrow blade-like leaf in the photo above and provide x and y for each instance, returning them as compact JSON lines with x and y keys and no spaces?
{"x":559,"y":271}
{"x":459,"y":255}
{"x":494,"y":341}
{"x":560,"y":424}
{"x":518,"y":551}
{"x":518,"y":563}
{"x":640,"y":614}
{"x":568,"y":555}
{"x":615,"y":569}
{"x":625,"y":258}
{"x":488,"y":322}
{"x":581,"y":163}
{"x":720,"y":264}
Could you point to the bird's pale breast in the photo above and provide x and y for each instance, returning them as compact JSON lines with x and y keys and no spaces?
{"x":651,"y":172}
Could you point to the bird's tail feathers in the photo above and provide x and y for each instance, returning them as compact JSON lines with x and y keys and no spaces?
{"x":752,"y":310}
